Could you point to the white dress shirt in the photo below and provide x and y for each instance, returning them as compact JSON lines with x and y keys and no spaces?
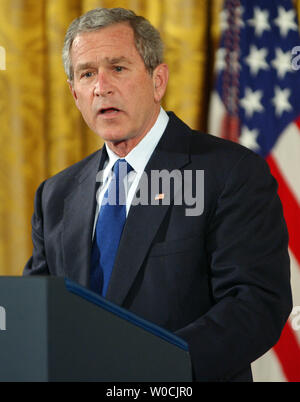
{"x":138,"y":158}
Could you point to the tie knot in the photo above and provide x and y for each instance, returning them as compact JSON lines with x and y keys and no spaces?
{"x":121,"y":169}
{"x":118,"y":188}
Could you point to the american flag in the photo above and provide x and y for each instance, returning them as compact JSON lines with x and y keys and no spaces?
{"x":256,"y":102}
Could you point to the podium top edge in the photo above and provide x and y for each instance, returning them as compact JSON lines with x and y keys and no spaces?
{"x":125,"y":314}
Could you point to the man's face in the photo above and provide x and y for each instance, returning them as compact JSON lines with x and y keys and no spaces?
{"x":116,"y":95}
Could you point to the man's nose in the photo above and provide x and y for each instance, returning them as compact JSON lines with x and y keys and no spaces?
{"x":103,"y":85}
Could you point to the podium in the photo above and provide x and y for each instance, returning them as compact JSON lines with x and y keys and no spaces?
{"x":52,"y":329}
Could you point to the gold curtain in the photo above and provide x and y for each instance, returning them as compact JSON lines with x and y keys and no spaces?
{"x":41,"y":131}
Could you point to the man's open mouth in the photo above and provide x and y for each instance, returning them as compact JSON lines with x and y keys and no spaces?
{"x":108,"y":110}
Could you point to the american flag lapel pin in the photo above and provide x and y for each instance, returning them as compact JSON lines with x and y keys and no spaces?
{"x":159,"y":197}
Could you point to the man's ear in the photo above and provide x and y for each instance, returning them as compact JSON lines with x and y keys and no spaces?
{"x":73,"y":92}
{"x":160,"y":81}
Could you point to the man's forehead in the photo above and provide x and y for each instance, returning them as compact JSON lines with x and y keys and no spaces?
{"x":109,"y":41}
{"x":112,"y":33}
{"x":117,"y":45}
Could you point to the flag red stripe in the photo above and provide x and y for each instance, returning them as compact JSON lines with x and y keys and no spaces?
{"x":297,"y":122}
{"x":287,"y":351}
{"x":291,"y":208}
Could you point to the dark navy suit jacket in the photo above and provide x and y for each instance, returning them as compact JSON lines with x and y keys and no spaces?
{"x":219,"y":280}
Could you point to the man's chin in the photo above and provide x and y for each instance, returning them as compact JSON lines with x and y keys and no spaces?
{"x":121,"y":144}
{"x":114,"y":138}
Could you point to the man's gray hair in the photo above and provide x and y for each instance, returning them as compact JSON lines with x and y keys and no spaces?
{"x":147,"y":38}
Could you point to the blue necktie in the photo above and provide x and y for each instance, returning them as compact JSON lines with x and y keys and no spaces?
{"x":109,"y":227}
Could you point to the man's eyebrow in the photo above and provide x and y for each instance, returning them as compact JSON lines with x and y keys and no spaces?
{"x":84,"y":66}
{"x":116,"y":60}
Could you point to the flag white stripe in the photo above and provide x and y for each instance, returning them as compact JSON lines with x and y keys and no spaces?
{"x":216,"y":115}
{"x":267,"y":369}
{"x":295,"y":284}
{"x":286,"y":155}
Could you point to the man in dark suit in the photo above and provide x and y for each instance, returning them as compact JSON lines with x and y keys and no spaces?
{"x":215,"y":272}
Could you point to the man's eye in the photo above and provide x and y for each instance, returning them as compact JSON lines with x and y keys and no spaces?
{"x":118,"y":69}
{"x":87,"y":74}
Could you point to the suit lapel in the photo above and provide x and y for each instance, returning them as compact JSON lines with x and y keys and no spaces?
{"x":143,"y":221}
{"x":78,"y":220}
